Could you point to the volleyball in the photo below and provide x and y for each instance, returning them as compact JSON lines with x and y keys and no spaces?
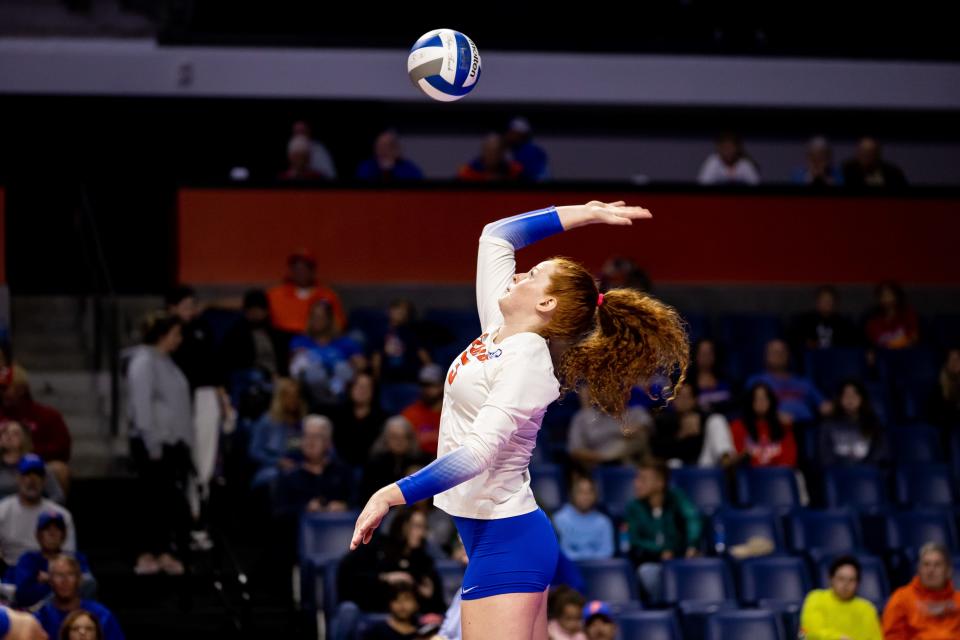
{"x":444,"y":64}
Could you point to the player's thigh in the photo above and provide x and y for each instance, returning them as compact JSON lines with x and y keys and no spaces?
{"x":540,"y":624}
{"x":507,"y":616}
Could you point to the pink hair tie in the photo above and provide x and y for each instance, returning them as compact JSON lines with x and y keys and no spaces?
{"x":599,"y":299}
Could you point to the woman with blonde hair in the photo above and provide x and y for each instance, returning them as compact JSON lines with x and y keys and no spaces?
{"x":277,"y":434}
{"x":543,"y":330}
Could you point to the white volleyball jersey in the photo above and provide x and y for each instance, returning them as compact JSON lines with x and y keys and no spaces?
{"x":494,"y":399}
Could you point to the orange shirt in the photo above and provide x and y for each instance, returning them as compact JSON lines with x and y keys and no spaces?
{"x":290,"y":306}
{"x":426,"y":424}
{"x":917,"y":613}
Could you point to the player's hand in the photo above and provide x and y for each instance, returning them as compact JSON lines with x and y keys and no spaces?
{"x":372,"y":515}
{"x":24,"y":626}
{"x":615,"y":213}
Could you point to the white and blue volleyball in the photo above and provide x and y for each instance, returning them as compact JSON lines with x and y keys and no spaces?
{"x":444,"y":64}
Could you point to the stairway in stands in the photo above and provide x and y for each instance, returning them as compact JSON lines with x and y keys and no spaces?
{"x":52,"y":339}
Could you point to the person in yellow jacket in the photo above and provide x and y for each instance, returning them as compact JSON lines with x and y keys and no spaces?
{"x":838,"y":613}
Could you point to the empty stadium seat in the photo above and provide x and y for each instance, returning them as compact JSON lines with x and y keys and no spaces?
{"x":739,"y":525}
{"x":702,"y":580}
{"x":745,"y":625}
{"x":859,"y":487}
{"x":324,"y":536}
{"x":774,"y":487}
{"x":649,"y":625}
{"x":925,"y":485}
{"x":611,"y":580}
{"x":829,"y":368}
{"x":784,"y":579}
{"x":546,"y":481}
{"x":913,"y":529}
{"x":917,"y":443}
{"x":615,"y":486}
{"x":831,"y":530}
{"x":706,"y":487}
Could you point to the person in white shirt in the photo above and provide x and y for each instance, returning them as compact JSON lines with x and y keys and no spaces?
{"x":729,"y":164}
{"x":543,"y":329}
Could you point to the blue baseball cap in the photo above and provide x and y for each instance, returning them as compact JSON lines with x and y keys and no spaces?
{"x":47,"y":518}
{"x":31,"y":463}
{"x":596,"y":608}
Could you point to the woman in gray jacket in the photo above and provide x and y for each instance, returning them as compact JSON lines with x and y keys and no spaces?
{"x":161,"y":438}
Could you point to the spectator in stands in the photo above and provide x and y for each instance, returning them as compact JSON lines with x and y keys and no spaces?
{"x":819,"y":170}
{"x":424,"y":414}
{"x":358,"y":422}
{"x":762,"y":436}
{"x":196,"y":356}
{"x":161,"y":440}
{"x":14,"y":444}
{"x":713,"y":389}
{"x":403,"y":351}
{"x":493,"y":164}
{"x":276,"y":436}
{"x":319,"y":482}
{"x":290,"y":302}
{"x":402,"y":621}
{"x":928,"y":607}
{"x":618,"y":271}
{"x":366,"y":574}
{"x":19,"y":625}
{"x":252,"y":343}
{"x":81,"y":625}
{"x":798,"y":397}
{"x":20,"y":513}
{"x":662,"y":524}
{"x":893,"y":323}
{"x":823,"y":328}
{"x":838,"y":612}
{"x":598,"y":622}
{"x":48,"y":432}
{"x":32,"y":572}
{"x":299,"y":151}
{"x":393,"y":454}
{"x":868,"y":168}
{"x":945,"y":402}
{"x":388,"y":163}
{"x":684,"y":434}
{"x":596,"y":439}
{"x":65,"y":576}
{"x":565,"y":619}
{"x":320,"y":160}
{"x":584,"y":533}
{"x":322,"y":360}
{"x":519,"y":141}
{"x":729,"y":164}
{"x":853,"y":435}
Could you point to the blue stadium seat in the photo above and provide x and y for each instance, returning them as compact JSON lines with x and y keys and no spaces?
{"x":396,"y":396}
{"x":451,"y":575}
{"x":925,"y":485}
{"x":745,"y":625}
{"x":325,"y":536}
{"x":546,"y":481}
{"x":701,"y":580}
{"x":744,"y":337}
{"x":861,"y":487}
{"x":829,"y":368}
{"x":366,"y":621}
{"x":370,"y":321}
{"x":774,"y":487}
{"x":615,"y":486}
{"x":916,"y":443}
{"x":831,"y":530}
{"x":649,"y":625}
{"x":910,"y":374}
{"x":913,"y":529}
{"x":739,"y":525}
{"x":706,"y":487}
{"x":784,"y":579}
{"x":611,"y":580}
{"x":874,"y":584}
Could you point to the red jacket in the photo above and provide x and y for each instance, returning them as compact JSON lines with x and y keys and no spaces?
{"x":51,"y":438}
{"x":765,"y":452}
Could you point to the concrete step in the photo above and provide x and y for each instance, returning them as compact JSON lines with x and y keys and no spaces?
{"x":59,"y":361}
{"x":73,"y":393}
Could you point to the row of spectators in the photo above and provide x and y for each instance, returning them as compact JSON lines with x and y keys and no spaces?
{"x":513,"y":156}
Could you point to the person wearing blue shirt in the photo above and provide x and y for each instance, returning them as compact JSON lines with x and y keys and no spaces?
{"x":65,"y":583}
{"x":584,"y":532}
{"x":531,"y":157}
{"x":31,"y":574}
{"x":388,"y":163}
{"x":798,"y":397}
{"x":321,"y":359}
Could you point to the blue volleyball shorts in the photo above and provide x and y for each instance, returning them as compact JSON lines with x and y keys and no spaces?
{"x":508,"y":555}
